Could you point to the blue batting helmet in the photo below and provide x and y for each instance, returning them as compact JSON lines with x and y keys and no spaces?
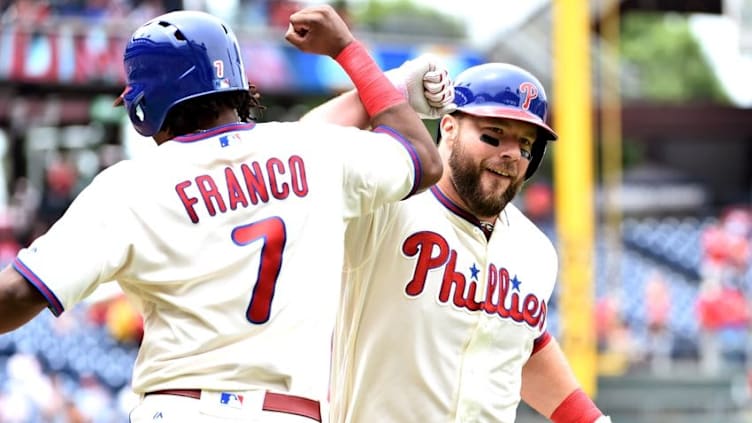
{"x":175,"y":57}
{"x":507,"y":91}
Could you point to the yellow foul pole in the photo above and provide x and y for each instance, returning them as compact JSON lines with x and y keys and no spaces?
{"x":573,"y":183}
{"x":611,"y":141}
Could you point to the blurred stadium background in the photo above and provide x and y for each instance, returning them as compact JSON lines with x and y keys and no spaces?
{"x":672,"y":181}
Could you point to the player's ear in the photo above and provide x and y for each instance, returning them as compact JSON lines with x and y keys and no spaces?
{"x":449,"y":127}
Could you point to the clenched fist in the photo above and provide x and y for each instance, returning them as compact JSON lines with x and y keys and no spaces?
{"x":425,"y":82}
{"x":318,"y":30}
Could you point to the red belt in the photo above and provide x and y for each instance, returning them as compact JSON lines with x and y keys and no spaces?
{"x":280,"y":403}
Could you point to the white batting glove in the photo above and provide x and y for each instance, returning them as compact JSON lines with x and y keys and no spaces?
{"x":439,"y":92}
{"x":425,"y":82}
{"x":603,"y":419}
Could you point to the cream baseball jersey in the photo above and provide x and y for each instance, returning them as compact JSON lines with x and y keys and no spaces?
{"x":231,"y":242}
{"x":437,"y":320}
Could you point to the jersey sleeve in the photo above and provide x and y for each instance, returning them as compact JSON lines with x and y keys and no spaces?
{"x":541,"y":342}
{"x":84,"y":248}
{"x":380,"y":167}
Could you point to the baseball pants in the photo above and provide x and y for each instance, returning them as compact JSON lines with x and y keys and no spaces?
{"x":258,"y":406}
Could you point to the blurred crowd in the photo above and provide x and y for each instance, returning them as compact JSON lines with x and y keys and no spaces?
{"x":71,"y":369}
{"x":723,"y":306}
{"x":40,"y":380}
{"x":252,"y":13}
{"x":720,"y":338}
{"x":90,"y":11}
{"x":32,"y":393}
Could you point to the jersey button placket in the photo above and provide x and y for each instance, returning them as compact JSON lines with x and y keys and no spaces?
{"x":471,"y":392}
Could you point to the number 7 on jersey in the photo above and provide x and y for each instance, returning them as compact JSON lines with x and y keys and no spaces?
{"x":272,"y":231}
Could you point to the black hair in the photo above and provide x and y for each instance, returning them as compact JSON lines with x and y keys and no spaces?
{"x":199,"y":113}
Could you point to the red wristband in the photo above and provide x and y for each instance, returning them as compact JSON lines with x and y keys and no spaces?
{"x":577,"y":407}
{"x":375,"y":91}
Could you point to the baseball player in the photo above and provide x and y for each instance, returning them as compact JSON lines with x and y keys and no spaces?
{"x":229,"y":236}
{"x":445,"y":302}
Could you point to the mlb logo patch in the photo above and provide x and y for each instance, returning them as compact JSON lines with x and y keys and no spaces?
{"x":231,"y":400}
{"x":225,"y":140}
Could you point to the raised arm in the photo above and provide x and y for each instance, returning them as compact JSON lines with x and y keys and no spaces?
{"x":344,"y":109}
{"x":19,"y":300}
{"x":424,"y":81}
{"x":320,"y":30}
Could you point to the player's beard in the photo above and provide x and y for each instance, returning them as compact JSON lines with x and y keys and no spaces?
{"x":466,"y":177}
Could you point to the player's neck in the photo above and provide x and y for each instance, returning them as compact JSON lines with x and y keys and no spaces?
{"x":226,"y":117}
{"x":446,"y":187}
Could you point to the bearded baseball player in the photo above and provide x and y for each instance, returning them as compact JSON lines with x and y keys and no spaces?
{"x":230,"y":235}
{"x":446,"y":294}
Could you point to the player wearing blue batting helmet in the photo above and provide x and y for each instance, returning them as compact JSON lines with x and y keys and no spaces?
{"x":507,"y":91}
{"x":178,"y":56}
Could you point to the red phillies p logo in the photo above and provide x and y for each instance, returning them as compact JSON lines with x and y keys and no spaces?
{"x":528,"y":92}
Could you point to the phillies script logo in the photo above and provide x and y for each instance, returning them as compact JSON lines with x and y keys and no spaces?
{"x":502,"y":294}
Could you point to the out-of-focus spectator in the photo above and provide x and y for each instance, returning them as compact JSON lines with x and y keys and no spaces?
{"x":28,"y":392}
{"x":94,"y":401}
{"x":538,"y":202}
{"x":715,"y":251}
{"x":606,"y":313}
{"x":722,"y":306}
{"x":721,"y":309}
{"x":61,"y":403}
{"x":73,"y":414}
{"x":9,"y":244}
{"x":617,"y":349}
{"x":26,"y":12}
{"x":726,"y":247}
{"x":737,"y":225}
{"x":22,"y":207}
{"x":61,"y":178}
{"x":658,"y":310}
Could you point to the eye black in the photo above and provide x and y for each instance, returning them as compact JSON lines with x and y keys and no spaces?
{"x":490,"y":140}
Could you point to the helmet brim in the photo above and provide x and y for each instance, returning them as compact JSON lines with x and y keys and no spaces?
{"x":510,"y":113}
{"x":120,"y":100}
